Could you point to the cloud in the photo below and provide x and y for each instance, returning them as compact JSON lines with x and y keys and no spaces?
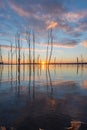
{"x":20,"y":11}
{"x":66,"y":45}
{"x":52,"y":24}
{"x":7,"y":47}
{"x":38,"y":12}
{"x":2,"y":4}
{"x":42,"y":15}
{"x":75,"y":17}
{"x":84,"y":43}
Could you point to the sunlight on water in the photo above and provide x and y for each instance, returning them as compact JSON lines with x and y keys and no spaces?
{"x":31,"y":96}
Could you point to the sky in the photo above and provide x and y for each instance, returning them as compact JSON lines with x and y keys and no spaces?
{"x":67,"y":18}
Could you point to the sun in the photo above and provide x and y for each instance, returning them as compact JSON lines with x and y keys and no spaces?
{"x":42,"y":62}
{"x":43,"y":65}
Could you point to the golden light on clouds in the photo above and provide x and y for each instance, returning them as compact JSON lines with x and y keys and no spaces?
{"x":84,"y":43}
{"x":52,"y":24}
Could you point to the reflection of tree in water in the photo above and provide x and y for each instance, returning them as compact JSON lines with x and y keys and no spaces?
{"x":55,"y":69}
{"x":11,"y":76}
{"x":48,"y":77}
{"x":77,"y":69}
{"x":31,"y":71}
{"x":18,"y":89}
{"x":23,"y":66}
{"x":1,"y":71}
{"x":16,"y":77}
{"x":33,"y":81}
{"x":29,"y":78}
{"x":39,"y":70}
{"x":80,"y":68}
{"x":19,"y":62}
{"x":33,"y":65}
{"x":8,"y":65}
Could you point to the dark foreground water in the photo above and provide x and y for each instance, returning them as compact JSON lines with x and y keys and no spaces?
{"x":36,"y":98}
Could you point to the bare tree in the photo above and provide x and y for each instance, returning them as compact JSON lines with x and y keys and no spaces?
{"x":28,"y":35}
{"x":8,"y":57}
{"x":51,"y":41}
{"x":54,"y":60}
{"x":18,"y":41}
{"x":1,"y":61}
{"x":23,"y":58}
{"x":11,"y":53}
{"x":16,"y":47}
{"x":38,"y":59}
{"x":47,"y":48}
{"x":33,"y":47}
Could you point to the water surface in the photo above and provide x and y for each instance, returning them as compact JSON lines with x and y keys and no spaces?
{"x":34,"y":98}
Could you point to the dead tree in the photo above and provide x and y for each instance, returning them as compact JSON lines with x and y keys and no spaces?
{"x":38,"y":58}
{"x":54,"y":60}
{"x":33,"y":47}
{"x":11,"y":54}
{"x":16,"y":47}
{"x":23,"y":58}
{"x":1,"y":61}
{"x":77,"y":60}
{"x":18,"y":41}
{"x":8,"y":57}
{"x":33,"y":65}
{"x":28,"y":34}
{"x":47,"y":49}
{"x":51,"y":42}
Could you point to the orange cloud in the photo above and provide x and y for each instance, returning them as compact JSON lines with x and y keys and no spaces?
{"x":52,"y":24}
{"x":84,"y":43}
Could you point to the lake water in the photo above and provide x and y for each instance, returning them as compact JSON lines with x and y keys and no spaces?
{"x":36,"y":98}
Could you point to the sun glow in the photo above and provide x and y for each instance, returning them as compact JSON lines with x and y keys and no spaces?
{"x":43,"y":65}
{"x":42,"y":62}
